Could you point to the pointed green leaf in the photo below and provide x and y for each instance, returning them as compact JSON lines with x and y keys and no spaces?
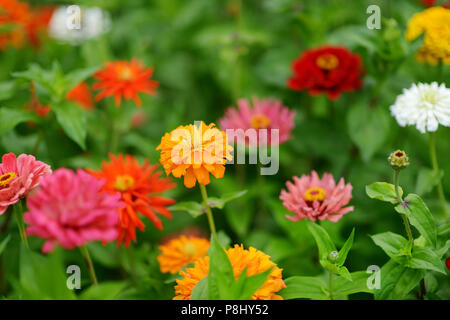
{"x":9,"y":118}
{"x":4,"y":243}
{"x":427,"y":180}
{"x":394,"y":245}
{"x":200,"y":291}
{"x":425,"y":258}
{"x":220,"y":272}
{"x":383,"y":191}
{"x":344,"y":287}
{"x":323,"y":240}
{"x":420,"y":217}
{"x":73,"y":121}
{"x":246,"y":286}
{"x":298,"y":287}
{"x":345,"y":249}
{"x":195,"y":209}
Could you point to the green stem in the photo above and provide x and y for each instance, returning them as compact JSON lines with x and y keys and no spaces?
{"x":18,"y":212}
{"x":212,"y":227}
{"x":435,"y":165}
{"x":89,"y":264}
{"x":400,"y":200}
{"x":261,"y":196}
{"x":330,"y":284}
{"x":440,"y":71}
{"x":38,"y":142}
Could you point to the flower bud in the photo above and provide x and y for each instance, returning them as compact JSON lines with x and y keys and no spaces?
{"x":398,"y":159}
{"x":333,"y":256}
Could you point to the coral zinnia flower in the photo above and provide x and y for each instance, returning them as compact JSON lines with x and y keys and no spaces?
{"x":18,"y":176}
{"x":70,"y":209}
{"x":81,"y":95}
{"x":124,"y":79}
{"x":310,"y":197}
{"x":139,"y":186}
{"x":434,"y":22}
{"x":179,"y":252}
{"x":267,"y":114}
{"x":195,"y":151}
{"x":424,"y":105}
{"x":254,"y":260}
{"x":329,"y":70}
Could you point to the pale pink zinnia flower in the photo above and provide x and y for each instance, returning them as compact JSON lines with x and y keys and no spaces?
{"x":310,"y":197}
{"x":267,"y":114}
{"x":69,"y":209}
{"x":18,"y":176}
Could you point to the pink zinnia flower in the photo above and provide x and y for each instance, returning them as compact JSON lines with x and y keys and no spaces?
{"x":267,"y":114}
{"x":18,"y":176}
{"x":69,"y":209}
{"x":313,"y":198}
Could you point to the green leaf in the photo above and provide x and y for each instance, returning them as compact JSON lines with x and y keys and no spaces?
{"x":425,"y":258}
{"x":195,"y":209}
{"x":220,"y":202}
{"x":443,"y":250}
{"x":397,"y":281}
{"x":246,"y":286}
{"x":43,"y":277}
{"x":343,"y":272}
{"x":4,"y":243}
{"x":323,"y":240}
{"x":75,"y":77}
{"x":394,"y":245}
{"x":200,"y":291}
{"x":298,"y":287}
{"x":9,"y":118}
{"x":344,"y":287}
{"x":383,"y":191}
{"x":427,"y":180}
{"x":103,"y":291}
{"x":7,"y":89}
{"x":368,"y":128}
{"x":73,"y":121}
{"x":220,"y":272}
{"x":345,"y":249}
{"x":223,"y":239}
{"x":420,"y":217}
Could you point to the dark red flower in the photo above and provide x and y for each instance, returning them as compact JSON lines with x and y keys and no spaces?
{"x":447,"y":263}
{"x":329,"y":70}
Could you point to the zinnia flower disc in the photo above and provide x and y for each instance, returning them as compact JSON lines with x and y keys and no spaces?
{"x":310,"y":197}
{"x":123,"y":79}
{"x":330,"y":70}
{"x":180,"y":251}
{"x":194,"y":152}
{"x":435,"y":24}
{"x":140,"y":187}
{"x":254,"y":260}
{"x":18,"y":176}
{"x":267,"y":114}
{"x":424,"y":105}
{"x":69,"y":209}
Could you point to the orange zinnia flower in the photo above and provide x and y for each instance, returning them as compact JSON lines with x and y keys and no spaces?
{"x":194,"y":152}
{"x":124,"y":79}
{"x":14,"y":15}
{"x":81,"y":95}
{"x":140,"y":187}
{"x":180,"y":251}
{"x":254,"y":260}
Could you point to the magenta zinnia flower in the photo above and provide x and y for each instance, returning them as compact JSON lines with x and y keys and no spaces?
{"x":69,"y":209}
{"x":310,"y":197}
{"x":267,"y":114}
{"x":18,"y":176}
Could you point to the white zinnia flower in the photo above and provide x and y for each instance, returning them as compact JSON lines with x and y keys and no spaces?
{"x":74,"y":24}
{"x":424,"y":105}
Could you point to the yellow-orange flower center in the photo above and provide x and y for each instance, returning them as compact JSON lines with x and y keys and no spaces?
{"x":327,"y":61}
{"x":260,"y":121}
{"x":6,"y":179}
{"x":190,"y":249}
{"x":314,"y":194}
{"x":124,"y":182}
{"x":126,"y":73}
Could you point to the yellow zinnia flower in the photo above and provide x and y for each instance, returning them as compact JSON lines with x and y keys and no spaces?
{"x":195,"y":151}
{"x":255,"y":261}
{"x":179,"y":252}
{"x":434,"y":22}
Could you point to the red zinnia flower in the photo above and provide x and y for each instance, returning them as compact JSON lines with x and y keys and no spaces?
{"x":81,"y":95}
{"x":140,"y":187}
{"x":38,"y":24}
{"x":14,"y":15}
{"x":124,"y":79}
{"x":330,"y":70}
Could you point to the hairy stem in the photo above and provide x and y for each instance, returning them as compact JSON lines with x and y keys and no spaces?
{"x":400,"y":200}
{"x":209,"y":214}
